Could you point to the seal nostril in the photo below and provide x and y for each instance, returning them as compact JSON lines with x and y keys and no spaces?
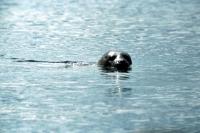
{"x":121,"y":64}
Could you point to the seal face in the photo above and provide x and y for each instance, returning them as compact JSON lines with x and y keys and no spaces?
{"x":113,"y":60}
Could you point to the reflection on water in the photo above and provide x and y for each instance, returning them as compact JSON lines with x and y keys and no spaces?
{"x":119,"y":92}
{"x":160,"y":94}
{"x":119,"y":89}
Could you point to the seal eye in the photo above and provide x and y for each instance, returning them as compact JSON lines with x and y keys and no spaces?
{"x":112,"y":58}
{"x":127,"y":57}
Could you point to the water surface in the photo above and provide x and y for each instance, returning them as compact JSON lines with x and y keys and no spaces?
{"x":159,"y":95}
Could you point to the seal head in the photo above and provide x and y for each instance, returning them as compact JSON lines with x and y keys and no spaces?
{"x":113,"y":60}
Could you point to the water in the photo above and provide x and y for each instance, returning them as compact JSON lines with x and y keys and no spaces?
{"x":160,"y":95}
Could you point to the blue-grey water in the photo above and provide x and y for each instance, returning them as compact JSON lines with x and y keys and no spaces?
{"x":161,"y":94}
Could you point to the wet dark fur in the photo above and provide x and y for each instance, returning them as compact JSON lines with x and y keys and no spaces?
{"x":114,"y":60}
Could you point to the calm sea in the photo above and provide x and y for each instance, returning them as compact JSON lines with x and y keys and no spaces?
{"x":160,"y":94}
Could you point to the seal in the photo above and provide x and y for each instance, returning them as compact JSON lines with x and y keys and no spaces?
{"x":115,"y":61}
{"x":110,"y":61}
